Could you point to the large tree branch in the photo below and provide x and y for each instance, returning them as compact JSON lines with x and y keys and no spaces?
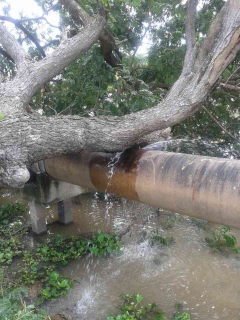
{"x":11,"y":46}
{"x":79,"y":16}
{"x":188,"y":93}
{"x":213,"y":33}
{"x":107,"y":41}
{"x":191,"y":48}
{"x":35,"y":74}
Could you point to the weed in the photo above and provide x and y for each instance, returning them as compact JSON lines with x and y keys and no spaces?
{"x":63,"y":249}
{"x":11,"y":230}
{"x":182,"y":316}
{"x":10,"y":248}
{"x":133,"y":309}
{"x":12,"y":307}
{"x":40,"y":265}
{"x":201,"y":224}
{"x":167,"y":221}
{"x":55,"y":286}
{"x":103,"y":244}
{"x":11,"y":221}
{"x":10,"y":211}
{"x":179,"y":306}
{"x":157,"y":238}
{"x":222,"y":240}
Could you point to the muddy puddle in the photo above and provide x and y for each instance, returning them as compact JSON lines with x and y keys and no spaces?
{"x":186,"y":271}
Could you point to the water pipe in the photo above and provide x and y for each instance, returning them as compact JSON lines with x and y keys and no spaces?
{"x":202,"y":187}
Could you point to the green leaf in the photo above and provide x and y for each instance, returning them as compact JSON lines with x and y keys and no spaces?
{"x":183,"y":316}
{"x":54,"y":275}
{"x":1,"y":116}
{"x":101,"y":237}
{"x":139,"y":298}
{"x":137,"y":3}
{"x":231,"y":241}
{"x":64,"y":283}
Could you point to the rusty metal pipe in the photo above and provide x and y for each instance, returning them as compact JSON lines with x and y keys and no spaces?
{"x":203,"y":187}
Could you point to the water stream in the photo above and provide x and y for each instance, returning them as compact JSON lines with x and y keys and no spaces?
{"x":186,"y":271}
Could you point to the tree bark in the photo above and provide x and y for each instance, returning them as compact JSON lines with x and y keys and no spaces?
{"x":28,"y":137}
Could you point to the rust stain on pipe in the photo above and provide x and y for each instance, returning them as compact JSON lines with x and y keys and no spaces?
{"x":203,"y":187}
{"x":116,"y":175}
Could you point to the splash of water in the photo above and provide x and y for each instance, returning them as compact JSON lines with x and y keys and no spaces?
{"x":112,"y":164}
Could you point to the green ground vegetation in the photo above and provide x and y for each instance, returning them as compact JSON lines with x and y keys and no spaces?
{"x":157,"y":238}
{"x":132,"y":308}
{"x":222,"y":240}
{"x":39,"y":267}
{"x":13,"y":307}
{"x":42,"y":263}
{"x":12,"y":228}
{"x":219,"y":240}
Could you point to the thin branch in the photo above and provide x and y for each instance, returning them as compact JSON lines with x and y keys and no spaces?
{"x":37,"y":19}
{"x":12,"y":47}
{"x":64,"y":110}
{"x":121,"y":42}
{"x":229,"y":86}
{"x":231,"y":75}
{"x":54,"y":110}
{"x":235,"y":78}
{"x":159,"y":85}
{"x":228,"y":94}
{"x":54,"y":8}
{"x":18,"y":24}
{"x":219,"y":125}
{"x":190,"y":55}
{"x":52,"y":42}
{"x":184,"y":130}
{"x":138,"y":45}
{"x":64,"y":31}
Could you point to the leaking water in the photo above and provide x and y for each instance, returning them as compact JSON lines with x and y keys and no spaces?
{"x":111,"y":166}
{"x":186,"y":271}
